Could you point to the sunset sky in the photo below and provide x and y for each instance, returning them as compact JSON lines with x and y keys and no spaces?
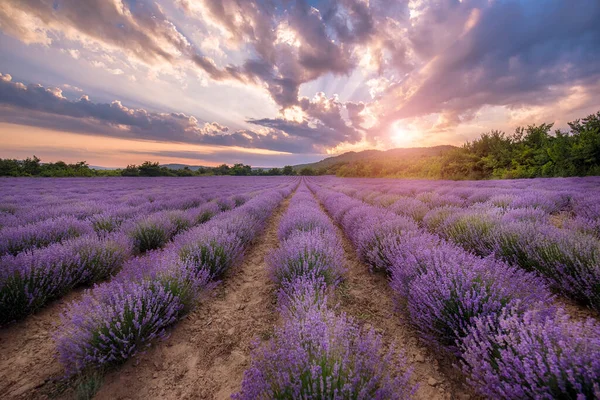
{"x":269,"y":83}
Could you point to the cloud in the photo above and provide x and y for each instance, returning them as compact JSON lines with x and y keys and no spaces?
{"x":320,"y":121}
{"x":439,"y":61}
{"x":47,"y":107}
{"x":509,"y":53}
{"x":230,"y":157}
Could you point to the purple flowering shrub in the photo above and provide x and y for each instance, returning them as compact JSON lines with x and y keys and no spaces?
{"x":225,"y":203}
{"x":526,"y":214}
{"x":303,"y":218}
{"x":436,"y":217}
{"x":445,"y":300}
{"x":297,"y":297}
{"x":474,"y":230}
{"x":240,"y":199}
{"x":204,"y":213}
{"x":152,"y":232}
{"x":14,"y":240}
{"x":324,"y":356}
{"x":30,"y":280}
{"x":214,"y":249}
{"x":310,"y":253}
{"x":118,"y":319}
{"x":410,"y":207}
{"x":567,"y":259}
{"x":115,"y":321}
{"x":309,"y":245}
{"x":534,"y":355}
{"x":375,"y":236}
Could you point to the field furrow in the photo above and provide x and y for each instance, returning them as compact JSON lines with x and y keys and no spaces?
{"x":206,"y":354}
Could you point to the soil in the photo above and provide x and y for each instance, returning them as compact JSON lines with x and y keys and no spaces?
{"x":28,"y":353}
{"x":367,"y":298}
{"x":208,"y":352}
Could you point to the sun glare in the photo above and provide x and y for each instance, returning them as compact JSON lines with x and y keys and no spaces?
{"x":402,"y":136}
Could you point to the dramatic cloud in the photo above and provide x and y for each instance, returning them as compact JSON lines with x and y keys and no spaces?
{"x":47,"y":107}
{"x":510,"y":53}
{"x":336,"y":73}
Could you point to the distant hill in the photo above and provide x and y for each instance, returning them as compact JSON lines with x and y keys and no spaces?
{"x":331,"y":164}
{"x":182,"y":166}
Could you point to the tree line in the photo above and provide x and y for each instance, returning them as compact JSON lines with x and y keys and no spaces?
{"x":33,"y":167}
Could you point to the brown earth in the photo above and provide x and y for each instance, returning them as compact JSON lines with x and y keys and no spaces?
{"x":208,"y":352}
{"x":367,"y":297}
{"x":28,"y":353}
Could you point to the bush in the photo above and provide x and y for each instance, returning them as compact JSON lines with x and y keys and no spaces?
{"x":304,"y":218}
{"x":306,"y":254}
{"x":152,"y":232}
{"x":119,"y":319}
{"x":534,"y":355}
{"x":214,"y":250}
{"x":445,"y":300}
{"x":30,"y":280}
{"x":14,"y":240}
{"x":325,"y":356}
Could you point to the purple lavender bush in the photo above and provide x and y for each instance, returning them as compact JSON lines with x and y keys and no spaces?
{"x":152,"y":232}
{"x":311,"y":253}
{"x":115,"y":321}
{"x":213,"y":249}
{"x":30,"y":280}
{"x":14,"y":240}
{"x":374,"y":237}
{"x":410,"y":207}
{"x":325,"y":356}
{"x":534,"y":355}
{"x":445,"y":300}
{"x":298,"y":297}
{"x":204,"y":212}
{"x":303,"y":218}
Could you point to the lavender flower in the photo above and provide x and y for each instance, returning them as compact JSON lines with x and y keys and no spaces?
{"x":324,"y":355}
{"x":307,"y":254}
{"x":30,"y":280}
{"x":214,"y":250}
{"x":445,"y":300}
{"x":152,"y":232}
{"x":534,"y":355}
{"x":303,"y":218}
{"x":13,"y":240}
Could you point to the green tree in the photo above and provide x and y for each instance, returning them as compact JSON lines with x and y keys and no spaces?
{"x":222,"y":169}
{"x":288,"y":170}
{"x":240,"y":170}
{"x":31,"y":166}
{"x":149,"y":168}
{"x":307,"y":171}
{"x":131,"y":170}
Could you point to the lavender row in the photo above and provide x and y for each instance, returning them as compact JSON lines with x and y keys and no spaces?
{"x":116,"y":320}
{"x":14,"y":240}
{"x":20,"y":205}
{"x":523,"y":237}
{"x":317,"y":353}
{"x":575,"y":199}
{"x":493,"y":317}
{"x":30,"y":280}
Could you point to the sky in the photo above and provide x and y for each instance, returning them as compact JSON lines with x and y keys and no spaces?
{"x":278,"y":82}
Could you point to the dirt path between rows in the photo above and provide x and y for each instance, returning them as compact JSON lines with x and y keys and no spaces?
{"x":367,"y":298}
{"x":208,"y":352}
{"x":28,"y":353}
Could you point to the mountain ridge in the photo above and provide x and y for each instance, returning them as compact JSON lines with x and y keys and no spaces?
{"x":366,"y":155}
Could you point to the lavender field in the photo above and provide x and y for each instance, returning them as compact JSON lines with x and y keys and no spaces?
{"x":299,"y":288}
